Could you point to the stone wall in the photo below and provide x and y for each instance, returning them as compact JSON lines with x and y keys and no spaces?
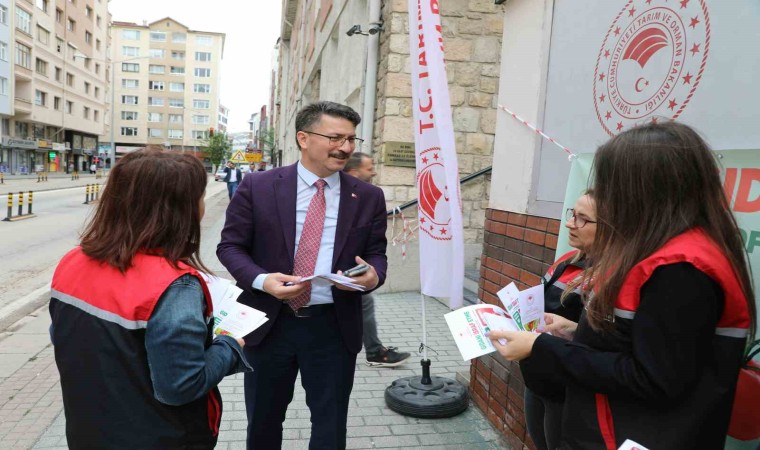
{"x":517,"y":248}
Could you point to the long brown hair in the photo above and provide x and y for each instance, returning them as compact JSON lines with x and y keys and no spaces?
{"x":652,"y":183}
{"x":151,"y":203}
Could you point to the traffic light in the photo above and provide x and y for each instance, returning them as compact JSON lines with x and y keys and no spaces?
{"x":211,"y":131}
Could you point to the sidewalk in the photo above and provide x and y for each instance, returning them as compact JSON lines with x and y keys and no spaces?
{"x":31,"y":405}
{"x":24,"y":183}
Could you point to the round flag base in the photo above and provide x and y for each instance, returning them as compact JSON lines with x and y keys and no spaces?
{"x":427,"y":397}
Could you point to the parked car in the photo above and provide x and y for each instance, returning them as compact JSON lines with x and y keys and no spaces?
{"x":219,"y":175}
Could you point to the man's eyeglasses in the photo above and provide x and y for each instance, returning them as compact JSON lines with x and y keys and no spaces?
{"x":338,"y":141}
{"x":579,"y":221}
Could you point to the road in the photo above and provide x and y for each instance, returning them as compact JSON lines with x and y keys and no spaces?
{"x":30,"y":249}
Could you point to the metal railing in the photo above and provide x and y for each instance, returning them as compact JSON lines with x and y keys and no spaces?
{"x":464,"y":179}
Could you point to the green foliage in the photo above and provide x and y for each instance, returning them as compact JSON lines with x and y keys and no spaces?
{"x":218,"y":149}
{"x":269,"y":142}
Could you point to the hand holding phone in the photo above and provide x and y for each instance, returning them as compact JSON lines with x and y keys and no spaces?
{"x":356,"y":270}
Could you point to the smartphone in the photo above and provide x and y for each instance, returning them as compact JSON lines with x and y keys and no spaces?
{"x":356,"y":271}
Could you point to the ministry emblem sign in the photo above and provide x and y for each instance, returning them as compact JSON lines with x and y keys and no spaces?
{"x":650,"y":62}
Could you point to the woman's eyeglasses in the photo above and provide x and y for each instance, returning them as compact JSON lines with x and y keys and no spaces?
{"x":579,"y":221}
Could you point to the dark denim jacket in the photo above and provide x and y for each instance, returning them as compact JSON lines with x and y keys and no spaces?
{"x":181,"y":368}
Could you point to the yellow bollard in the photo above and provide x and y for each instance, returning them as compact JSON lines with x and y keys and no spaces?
{"x":29,"y":208}
{"x":87,"y":195}
{"x":20,"y":203}
{"x":10,"y":206}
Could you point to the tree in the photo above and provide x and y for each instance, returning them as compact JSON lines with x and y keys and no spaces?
{"x":269,"y":142}
{"x":219,"y":149}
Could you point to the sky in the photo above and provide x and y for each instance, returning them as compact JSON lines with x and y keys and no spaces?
{"x":251,"y":28}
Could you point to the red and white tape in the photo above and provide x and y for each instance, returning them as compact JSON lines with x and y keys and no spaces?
{"x":570,"y":154}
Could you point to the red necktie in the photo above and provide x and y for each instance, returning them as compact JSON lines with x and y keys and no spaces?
{"x":308,"y":244}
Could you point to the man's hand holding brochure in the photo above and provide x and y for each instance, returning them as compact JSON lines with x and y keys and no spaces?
{"x":523,"y":311}
{"x":230,"y":317}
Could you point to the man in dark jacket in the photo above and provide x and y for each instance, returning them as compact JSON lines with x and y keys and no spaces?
{"x":232,"y":177}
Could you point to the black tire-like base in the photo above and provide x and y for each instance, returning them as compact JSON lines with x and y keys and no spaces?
{"x":444,"y":397}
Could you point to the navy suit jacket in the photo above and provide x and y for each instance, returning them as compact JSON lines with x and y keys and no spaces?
{"x":259,"y":236}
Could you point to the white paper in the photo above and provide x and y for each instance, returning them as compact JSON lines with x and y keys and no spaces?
{"x":630,"y":445}
{"x":469,"y":325}
{"x":531,"y":303}
{"x":230,"y":317}
{"x":510,"y":298}
{"x":335,"y":278}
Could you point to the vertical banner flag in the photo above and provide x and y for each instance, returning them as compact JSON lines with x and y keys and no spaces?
{"x":440,"y":206}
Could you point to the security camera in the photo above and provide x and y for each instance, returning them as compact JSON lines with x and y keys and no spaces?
{"x":375,"y":27}
{"x":356,"y":29}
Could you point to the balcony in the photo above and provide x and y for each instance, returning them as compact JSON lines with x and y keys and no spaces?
{"x":22,"y":106}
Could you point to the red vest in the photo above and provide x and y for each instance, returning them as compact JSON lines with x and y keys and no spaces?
{"x":99,"y":321}
{"x":697,"y":249}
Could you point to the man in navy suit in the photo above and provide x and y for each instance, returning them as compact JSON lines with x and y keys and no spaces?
{"x":286,"y":223}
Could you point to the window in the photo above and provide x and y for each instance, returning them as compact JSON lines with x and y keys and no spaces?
{"x":41,"y":66}
{"x":40,"y":98}
{"x":200,"y":134}
{"x":69,"y":107}
{"x":99,"y":23}
{"x":178,"y":55}
{"x":58,"y":45}
{"x":129,"y":131}
{"x":177,"y":87}
{"x":200,"y":120}
{"x":86,"y":87}
{"x":177,"y":70}
{"x":23,"y":21}
{"x":204,"y":40}
{"x":130,"y":67}
{"x":23,"y":55}
{"x":155,"y":117}
{"x":43,"y":4}
{"x":88,"y":12}
{"x":201,"y":104}
{"x":88,"y":37}
{"x":69,"y":79}
{"x":58,"y":15}
{"x":129,"y":83}
{"x":57,"y":103}
{"x":176,"y":118}
{"x":155,"y":132}
{"x":156,"y":69}
{"x":156,"y":85}
{"x":175,"y":134}
{"x":128,"y":99}
{"x":97,"y":92}
{"x":4,"y":18}
{"x":96,"y":116}
{"x":202,"y":56}
{"x":87,"y":62}
{"x":97,"y":44}
{"x":176,"y":103}
{"x":4,"y":51}
{"x":129,"y":115}
{"x":156,"y":101}
{"x":131,"y":35}
{"x":157,"y":53}
{"x":43,"y":35}
{"x":178,"y":38}
{"x":58,"y":73}
{"x":86,"y":112}
{"x":97,"y":68}
{"x":71,"y":24}
{"x":22,"y":129}
{"x":202,"y":88}
{"x":130,"y":51}
{"x":204,"y":73}
{"x":158,"y":36}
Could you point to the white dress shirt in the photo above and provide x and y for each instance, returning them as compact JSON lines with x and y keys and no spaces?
{"x":321,"y":290}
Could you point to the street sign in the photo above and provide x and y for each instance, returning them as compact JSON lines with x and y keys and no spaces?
{"x":253,"y":157}
{"x":238,"y":157}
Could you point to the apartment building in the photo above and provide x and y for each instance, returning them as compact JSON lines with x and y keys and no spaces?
{"x":57,"y":62}
{"x":166,"y":79}
{"x":224,"y":114}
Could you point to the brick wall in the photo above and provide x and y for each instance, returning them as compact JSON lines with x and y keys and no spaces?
{"x":517,"y":248}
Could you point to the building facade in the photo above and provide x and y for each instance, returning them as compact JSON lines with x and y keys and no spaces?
{"x":166,"y":84}
{"x":224,"y":114}
{"x":58,"y":59}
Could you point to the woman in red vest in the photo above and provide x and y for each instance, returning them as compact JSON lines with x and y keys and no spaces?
{"x":132,"y":316}
{"x":654,"y":359}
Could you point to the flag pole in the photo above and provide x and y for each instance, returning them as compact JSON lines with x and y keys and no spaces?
{"x":425,"y":379}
